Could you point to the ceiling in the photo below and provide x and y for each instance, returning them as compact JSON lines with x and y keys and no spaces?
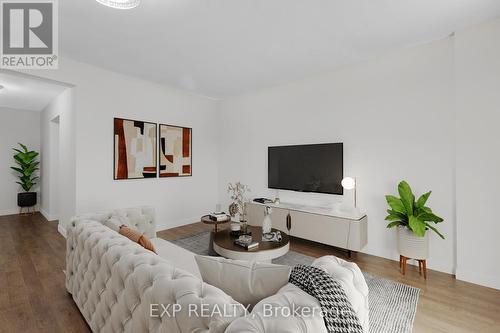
{"x":221,"y":48}
{"x":25,"y":93}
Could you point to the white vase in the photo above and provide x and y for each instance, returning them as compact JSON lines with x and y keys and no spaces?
{"x":267,"y":224}
{"x":412,"y":246}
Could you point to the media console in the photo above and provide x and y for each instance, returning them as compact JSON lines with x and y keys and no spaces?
{"x":319,"y":224}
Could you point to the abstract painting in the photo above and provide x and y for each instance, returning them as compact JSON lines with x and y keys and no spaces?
{"x":135,"y":149}
{"x":175,"y":151}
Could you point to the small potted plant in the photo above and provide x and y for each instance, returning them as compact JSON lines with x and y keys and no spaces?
{"x":413,"y":219}
{"x":27,"y":165}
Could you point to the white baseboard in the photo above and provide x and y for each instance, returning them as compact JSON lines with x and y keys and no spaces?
{"x":48,"y":216}
{"x":178,"y":223}
{"x":12,"y":211}
{"x":61,"y":229}
{"x":478,"y":278}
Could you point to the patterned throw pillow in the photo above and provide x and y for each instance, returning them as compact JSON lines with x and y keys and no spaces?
{"x":137,"y":237}
{"x":337,"y":312}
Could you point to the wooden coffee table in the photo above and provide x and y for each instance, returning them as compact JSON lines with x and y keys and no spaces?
{"x":223,"y":244}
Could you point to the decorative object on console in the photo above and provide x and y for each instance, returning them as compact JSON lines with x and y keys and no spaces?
{"x":267,"y":223}
{"x":413,"y":219}
{"x":277,"y":198}
{"x":175,"y":151}
{"x":27,"y":166}
{"x":134,"y":149}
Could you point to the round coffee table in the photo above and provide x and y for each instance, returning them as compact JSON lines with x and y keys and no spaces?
{"x":223,"y":244}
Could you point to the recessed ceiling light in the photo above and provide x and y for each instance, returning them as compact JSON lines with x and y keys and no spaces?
{"x":120,"y":4}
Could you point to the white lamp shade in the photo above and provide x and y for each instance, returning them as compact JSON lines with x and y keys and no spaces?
{"x":120,"y":4}
{"x":348,"y":183}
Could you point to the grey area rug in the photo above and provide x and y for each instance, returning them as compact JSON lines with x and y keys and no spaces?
{"x":393,"y":305}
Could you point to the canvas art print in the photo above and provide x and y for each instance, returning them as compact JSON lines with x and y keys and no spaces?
{"x":135,"y":149}
{"x":175,"y":151}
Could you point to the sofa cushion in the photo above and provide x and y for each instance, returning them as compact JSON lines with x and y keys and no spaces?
{"x":353,"y":282}
{"x":176,"y":256}
{"x":276,"y":314}
{"x":247,"y":282}
{"x":137,"y":237}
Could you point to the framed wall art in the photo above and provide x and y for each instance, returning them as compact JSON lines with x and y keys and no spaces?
{"x":135,"y":144}
{"x":175,"y":151}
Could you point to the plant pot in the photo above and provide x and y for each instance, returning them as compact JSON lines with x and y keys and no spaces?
{"x":412,"y":246}
{"x":26,"y":199}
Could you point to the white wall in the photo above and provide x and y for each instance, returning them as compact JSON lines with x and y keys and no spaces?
{"x":58,"y":163}
{"x":478,"y":153}
{"x":15,"y":126}
{"x":100,"y":95}
{"x":393,"y":114}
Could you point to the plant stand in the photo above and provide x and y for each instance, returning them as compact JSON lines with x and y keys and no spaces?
{"x":422,"y":265}
{"x":27,"y":211}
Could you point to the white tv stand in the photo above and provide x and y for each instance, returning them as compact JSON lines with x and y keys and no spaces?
{"x":320,"y":224}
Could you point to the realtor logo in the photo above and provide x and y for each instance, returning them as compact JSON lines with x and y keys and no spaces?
{"x":29,"y":34}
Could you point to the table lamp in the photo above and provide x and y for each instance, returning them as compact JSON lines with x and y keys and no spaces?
{"x":349,"y":183}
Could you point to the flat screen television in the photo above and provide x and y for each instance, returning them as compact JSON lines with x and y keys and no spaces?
{"x":315,"y":168}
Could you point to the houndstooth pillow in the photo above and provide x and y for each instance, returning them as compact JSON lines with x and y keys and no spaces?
{"x":337,"y":312}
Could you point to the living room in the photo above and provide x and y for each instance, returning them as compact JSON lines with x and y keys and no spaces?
{"x":409,"y":90}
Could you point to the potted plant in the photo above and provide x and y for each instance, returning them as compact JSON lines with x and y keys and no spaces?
{"x":27,"y":165}
{"x":413,"y":219}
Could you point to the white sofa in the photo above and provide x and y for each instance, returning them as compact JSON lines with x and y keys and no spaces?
{"x":121,"y":287}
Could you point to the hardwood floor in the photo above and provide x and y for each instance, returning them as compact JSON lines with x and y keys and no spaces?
{"x":33,"y":296}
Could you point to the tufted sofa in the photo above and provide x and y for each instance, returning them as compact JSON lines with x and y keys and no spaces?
{"x":116,"y":283}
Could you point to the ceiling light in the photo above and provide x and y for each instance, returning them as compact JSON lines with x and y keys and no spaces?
{"x":120,"y":4}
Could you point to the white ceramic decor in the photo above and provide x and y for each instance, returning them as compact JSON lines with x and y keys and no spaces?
{"x":412,"y":246}
{"x":267,"y":224}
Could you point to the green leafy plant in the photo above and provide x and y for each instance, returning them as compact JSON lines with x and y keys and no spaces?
{"x":407,"y":212}
{"x":27,"y":166}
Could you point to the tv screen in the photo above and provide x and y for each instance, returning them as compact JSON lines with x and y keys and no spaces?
{"x":307,"y":168}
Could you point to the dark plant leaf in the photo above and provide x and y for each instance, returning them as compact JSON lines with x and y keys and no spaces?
{"x":393,"y":224}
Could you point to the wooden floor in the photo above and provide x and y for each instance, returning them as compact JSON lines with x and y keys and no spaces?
{"x":33,"y":297}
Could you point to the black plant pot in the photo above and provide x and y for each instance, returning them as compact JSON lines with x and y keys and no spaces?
{"x":26,"y":199}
